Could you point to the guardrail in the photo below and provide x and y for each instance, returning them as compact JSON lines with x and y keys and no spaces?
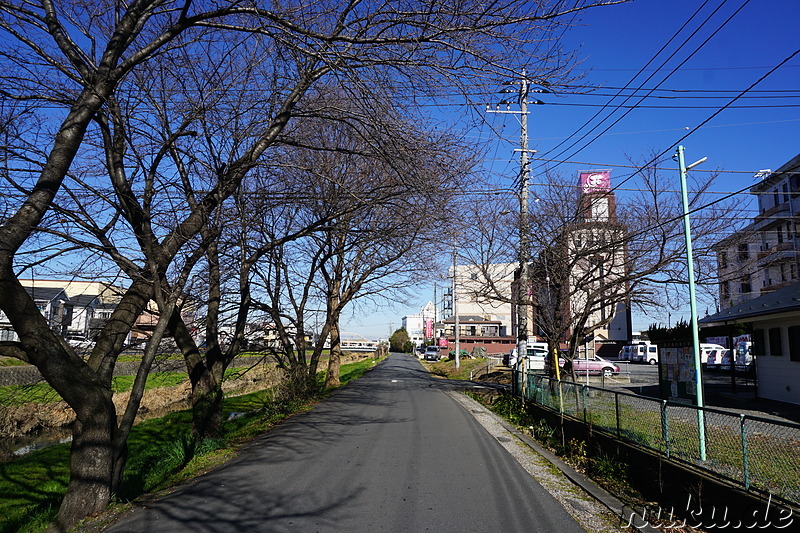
{"x":491,"y":362}
{"x":758,"y":453}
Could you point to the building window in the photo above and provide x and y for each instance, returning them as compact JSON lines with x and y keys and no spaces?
{"x":724,"y":290}
{"x":746,"y":288}
{"x":775,"y":342}
{"x":794,"y":343}
{"x":758,"y":342}
{"x":473,"y":276}
{"x":744,"y":252}
{"x":785,"y":192}
{"x":780,"y":234}
{"x":723,"y":259}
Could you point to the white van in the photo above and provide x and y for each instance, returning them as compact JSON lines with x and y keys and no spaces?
{"x":706,"y":349}
{"x":537,"y":351}
{"x":626,"y":352}
{"x":650,"y":356}
{"x":644,"y":352}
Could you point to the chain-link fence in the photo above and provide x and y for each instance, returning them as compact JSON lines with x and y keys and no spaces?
{"x":758,"y":453}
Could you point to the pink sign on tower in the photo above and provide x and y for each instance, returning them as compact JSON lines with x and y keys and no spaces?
{"x":599,"y":181}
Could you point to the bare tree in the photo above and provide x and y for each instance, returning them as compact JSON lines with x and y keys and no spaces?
{"x":44,"y":63}
{"x":589,"y":269}
{"x":377,"y":182}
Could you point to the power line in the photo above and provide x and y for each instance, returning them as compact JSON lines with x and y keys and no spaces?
{"x":703,"y":69}
{"x":675,"y":69}
{"x":682,"y":91}
{"x":795,"y":94}
{"x":650,"y":106}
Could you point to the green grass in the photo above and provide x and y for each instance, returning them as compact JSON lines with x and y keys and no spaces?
{"x":160,"y":455}
{"x":22,"y":394}
{"x":177,"y":356}
{"x":773,"y":461}
{"x":447,"y":368}
{"x":42,"y":393}
{"x":355,"y":370}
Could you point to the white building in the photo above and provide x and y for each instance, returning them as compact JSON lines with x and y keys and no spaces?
{"x":775,"y":319}
{"x":765,"y":255}
{"x":481,"y":291}
{"x":415,"y":324}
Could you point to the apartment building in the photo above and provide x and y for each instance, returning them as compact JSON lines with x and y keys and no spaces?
{"x":420,"y":325}
{"x":482,"y":291}
{"x":765,"y":255}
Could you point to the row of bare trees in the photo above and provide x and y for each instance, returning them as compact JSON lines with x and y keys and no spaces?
{"x":242,"y":156}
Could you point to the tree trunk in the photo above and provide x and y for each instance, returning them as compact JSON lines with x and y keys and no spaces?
{"x":206,"y":393}
{"x":206,"y":406}
{"x":91,"y":466}
{"x":335,"y":360}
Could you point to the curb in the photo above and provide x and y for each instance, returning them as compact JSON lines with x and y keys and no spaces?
{"x":626,"y":514}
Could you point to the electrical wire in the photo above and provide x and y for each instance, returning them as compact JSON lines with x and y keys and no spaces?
{"x":664,"y":62}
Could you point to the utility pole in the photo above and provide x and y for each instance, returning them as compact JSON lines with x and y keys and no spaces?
{"x":701,"y":429}
{"x":523,"y":299}
{"x":435,"y":312}
{"x":455,"y":311}
{"x":524,"y":229}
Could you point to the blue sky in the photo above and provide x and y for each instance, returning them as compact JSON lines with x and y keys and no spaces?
{"x":615,"y":43}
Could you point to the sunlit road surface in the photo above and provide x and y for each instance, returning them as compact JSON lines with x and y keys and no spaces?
{"x":389,"y":452}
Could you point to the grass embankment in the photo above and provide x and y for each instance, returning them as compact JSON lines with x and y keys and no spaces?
{"x":772,"y":463}
{"x":44,"y":393}
{"x":468,"y":368}
{"x":161,"y":454}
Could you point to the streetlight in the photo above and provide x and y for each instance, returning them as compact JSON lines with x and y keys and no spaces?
{"x":701,"y":429}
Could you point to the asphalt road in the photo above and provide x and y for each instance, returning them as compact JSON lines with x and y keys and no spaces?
{"x":389,"y":452}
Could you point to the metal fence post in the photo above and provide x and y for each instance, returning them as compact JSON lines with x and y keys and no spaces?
{"x":584,"y":396}
{"x":528,"y":384}
{"x":665,"y":427}
{"x":616,"y":410}
{"x":745,"y":462}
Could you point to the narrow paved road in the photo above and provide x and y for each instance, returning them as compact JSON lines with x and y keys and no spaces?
{"x":389,"y":452}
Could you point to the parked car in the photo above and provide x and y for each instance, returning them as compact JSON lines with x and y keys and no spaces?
{"x":534,"y":360}
{"x":642,"y":352}
{"x":706,"y":349}
{"x":420,"y":351}
{"x":626,"y":352}
{"x":717,"y":357}
{"x":743,"y":363}
{"x":594,"y":365}
{"x":432,"y":353}
{"x":80,"y":343}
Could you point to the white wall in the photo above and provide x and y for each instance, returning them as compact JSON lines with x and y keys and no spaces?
{"x":471,"y":287}
{"x":778,"y":376}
